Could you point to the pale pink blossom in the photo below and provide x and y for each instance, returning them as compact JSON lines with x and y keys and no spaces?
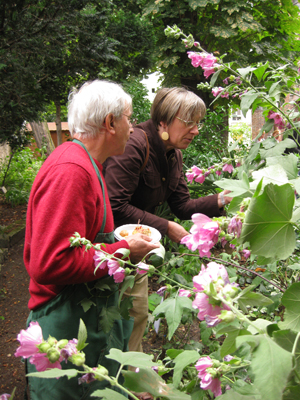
{"x":29,"y":340}
{"x":5,"y":396}
{"x":217,"y":90}
{"x":100,"y":259}
{"x":69,"y":349}
{"x":207,"y":312}
{"x":235,"y":226}
{"x":190,"y":176}
{"x":184,"y":293}
{"x":211,"y":273}
{"x":227,"y":168}
{"x":213,"y":384}
{"x":42,"y":363}
{"x":202,"y":364}
{"x":225,"y":95}
{"x":142,"y":268}
{"x":161,"y":290}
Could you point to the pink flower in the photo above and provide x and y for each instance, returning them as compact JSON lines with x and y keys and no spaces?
{"x":161,"y":290}
{"x":209,"y":71}
{"x":119,"y":275}
{"x":209,"y":61}
{"x":225,"y":95}
{"x":203,"y":60}
{"x":277,"y":119}
{"x":235,"y":226}
{"x":87,"y":378}
{"x":213,"y":384}
{"x":200,"y":179}
{"x":69,"y":349}
{"x":5,"y":396}
{"x":42,"y":363}
{"x":217,"y":90}
{"x":207,"y":312}
{"x":29,"y":340}
{"x":113,"y":266}
{"x":202,"y":364}
{"x":184,"y":293}
{"x":212,"y":273}
{"x":218,"y":172}
{"x":246,"y":253}
{"x":142,"y":268}
{"x":100,"y":260}
{"x":227,"y":168}
{"x":190,"y":176}
{"x":196,"y":58}
{"x":226,"y":81}
{"x":207,"y":381}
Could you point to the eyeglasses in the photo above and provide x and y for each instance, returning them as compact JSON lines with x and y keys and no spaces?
{"x":129,"y":117}
{"x":191,"y":124}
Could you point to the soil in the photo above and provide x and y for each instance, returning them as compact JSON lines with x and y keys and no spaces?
{"x":14,"y":297}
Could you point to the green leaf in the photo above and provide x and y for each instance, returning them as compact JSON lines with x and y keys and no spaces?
{"x":181,"y":362}
{"x":289,"y":164}
{"x":291,"y":302}
{"x":86,"y":304}
{"x":273,"y":174}
{"x":55,"y":373}
{"x":247,"y":100}
{"x":286,"y":340}
{"x":271,"y":366}
{"x":232,"y":395}
{"x":128,"y":282}
{"x":82,"y":336}
{"x":237,"y":187}
{"x":133,"y":358}
{"x":173,"y":310}
{"x":259,"y":72}
{"x":125,"y":306}
{"x":146,"y":380}
{"x":267,"y":226}
{"x":254,"y":299}
{"x":108,"y":316}
{"x":245,"y":71}
{"x":229,"y":344}
{"x":215,"y":77}
{"x":108,"y":394}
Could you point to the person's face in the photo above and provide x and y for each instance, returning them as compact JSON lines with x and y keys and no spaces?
{"x":123,"y":128}
{"x":181,"y":133}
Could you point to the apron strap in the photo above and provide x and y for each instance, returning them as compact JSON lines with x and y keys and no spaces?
{"x":100,"y":180}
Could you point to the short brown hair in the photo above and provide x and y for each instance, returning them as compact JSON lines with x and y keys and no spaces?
{"x":169,"y":102}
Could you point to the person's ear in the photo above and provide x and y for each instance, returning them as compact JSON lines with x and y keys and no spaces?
{"x":109,"y":123}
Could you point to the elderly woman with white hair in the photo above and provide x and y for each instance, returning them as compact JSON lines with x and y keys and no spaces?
{"x":69,"y":195}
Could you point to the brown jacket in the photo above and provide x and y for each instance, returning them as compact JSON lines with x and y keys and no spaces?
{"x":134,"y":195}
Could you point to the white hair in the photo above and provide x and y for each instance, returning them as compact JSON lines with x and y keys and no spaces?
{"x":88,"y":106}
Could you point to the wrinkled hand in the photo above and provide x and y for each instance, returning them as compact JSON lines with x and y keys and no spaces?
{"x":175,"y":231}
{"x":227,"y":199}
{"x":140,"y":245}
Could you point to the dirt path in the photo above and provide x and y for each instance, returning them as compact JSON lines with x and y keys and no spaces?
{"x":14,"y":297}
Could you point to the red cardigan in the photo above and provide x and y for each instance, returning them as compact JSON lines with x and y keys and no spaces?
{"x":66,"y":197}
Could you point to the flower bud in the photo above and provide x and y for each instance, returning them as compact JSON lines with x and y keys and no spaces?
{"x":62,"y":343}
{"x":127,"y":271}
{"x":227,"y":316}
{"x":101,"y":371}
{"x":151,"y":268}
{"x":44,"y":347}
{"x":53,"y":355}
{"x":230,"y":291}
{"x":78,"y":359}
{"x":51,"y":340}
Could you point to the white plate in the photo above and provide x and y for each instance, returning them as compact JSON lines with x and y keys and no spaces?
{"x":155,"y":234}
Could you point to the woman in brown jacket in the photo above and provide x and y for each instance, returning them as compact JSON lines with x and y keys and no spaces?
{"x":150,"y":173}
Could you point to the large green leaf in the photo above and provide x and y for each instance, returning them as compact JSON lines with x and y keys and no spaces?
{"x":288,"y":163}
{"x":278,"y":147}
{"x":232,"y":395}
{"x":173,"y":310}
{"x":271,"y":366}
{"x":272,"y":174}
{"x":146,"y":380}
{"x":181,"y":361}
{"x":133,"y":358}
{"x":267,"y":226}
{"x":247,"y":100}
{"x":108,"y":394}
{"x":236,"y":187}
{"x":286,"y":339}
{"x":291,"y":302}
{"x":55,"y":373}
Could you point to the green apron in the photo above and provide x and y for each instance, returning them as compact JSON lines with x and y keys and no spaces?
{"x":60,"y":318}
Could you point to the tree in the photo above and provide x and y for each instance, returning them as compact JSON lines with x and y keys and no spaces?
{"x":247,"y":31}
{"x":46,"y":48}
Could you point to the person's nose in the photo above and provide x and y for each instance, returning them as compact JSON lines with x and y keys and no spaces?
{"x":195,"y":130}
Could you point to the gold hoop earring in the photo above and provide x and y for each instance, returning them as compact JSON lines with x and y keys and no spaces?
{"x":165,"y":136}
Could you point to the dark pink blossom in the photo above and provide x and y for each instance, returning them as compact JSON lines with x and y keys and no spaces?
{"x":225,"y":95}
{"x":5,"y":396}
{"x":69,"y":349}
{"x":246,"y":253}
{"x":213,"y":384}
{"x":235,"y":226}
{"x":87,"y":378}
{"x":277,"y":119}
{"x":226,"y":81}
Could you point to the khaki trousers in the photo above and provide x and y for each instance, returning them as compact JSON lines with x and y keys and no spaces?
{"x":139,"y":311}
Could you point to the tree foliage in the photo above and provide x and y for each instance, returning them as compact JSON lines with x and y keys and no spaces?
{"x":248,"y":32}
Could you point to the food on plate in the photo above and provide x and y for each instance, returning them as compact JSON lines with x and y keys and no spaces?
{"x":141,"y":229}
{"x":124,"y":233}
